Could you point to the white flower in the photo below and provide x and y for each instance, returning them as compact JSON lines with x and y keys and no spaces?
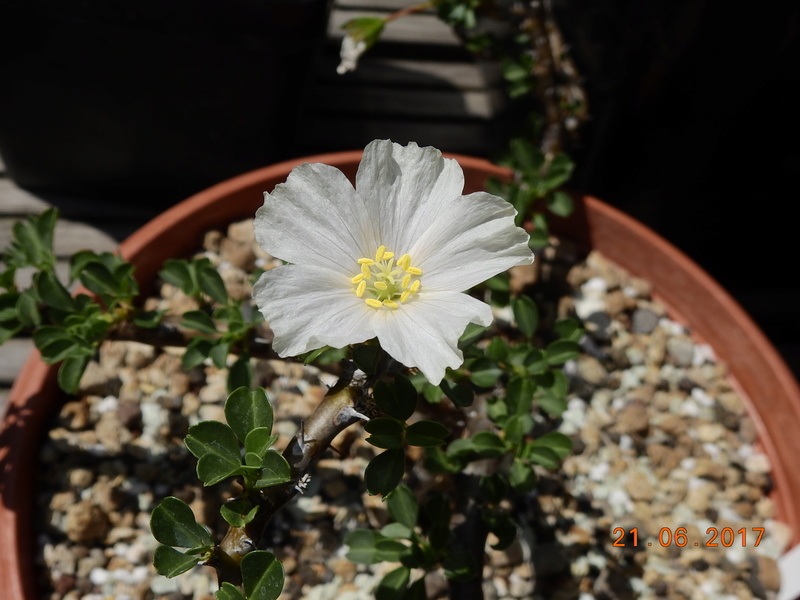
{"x":389,"y":259}
{"x":349,"y":54}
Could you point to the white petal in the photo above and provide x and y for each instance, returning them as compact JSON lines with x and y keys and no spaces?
{"x":315,"y":218}
{"x":424,"y":333}
{"x":310,"y":307}
{"x":472,"y":239}
{"x":404,"y":188}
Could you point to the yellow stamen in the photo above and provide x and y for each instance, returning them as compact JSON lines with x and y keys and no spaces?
{"x":373,"y":303}
{"x":387,"y":255}
{"x":406,"y":281}
{"x":414,"y":287}
{"x":357,"y":278}
{"x":390,"y":303}
{"x":404,"y":296}
{"x":379,"y":253}
{"x":362,"y":287}
{"x":404,"y":262}
{"x":365,"y":271}
{"x":366,"y":261}
{"x":414,"y":271}
{"x":380,"y":285}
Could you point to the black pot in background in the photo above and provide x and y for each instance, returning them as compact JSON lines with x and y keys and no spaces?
{"x":150,"y":99}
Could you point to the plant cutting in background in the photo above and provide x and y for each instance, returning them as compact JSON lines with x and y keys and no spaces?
{"x":384,"y":282}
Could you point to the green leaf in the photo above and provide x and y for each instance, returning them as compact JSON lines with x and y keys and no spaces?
{"x":526,"y":314}
{"x":494,"y":488}
{"x":460,"y":565}
{"x":70,"y":373}
{"x":274,"y":470}
{"x":497,"y":349}
{"x":27,"y":309}
{"x":426,"y":434}
{"x":97,"y":278}
{"x":178,"y":273}
{"x":460,"y":394}
{"x":502,"y":526}
{"x":366,"y":357}
{"x":197,"y":350}
{"x":211,"y":284}
{"x":499,"y":283}
{"x":517,"y":427}
{"x":219,"y":354}
{"x":148,"y":319}
{"x":52,"y":291}
{"x":173,"y":523}
{"x":559,"y":170}
{"x":246,"y":410}
{"x":200,"y":321}
{"x":437,"y":461}
{"x":238,"y":513}
{"x":385,"y":471}
{"x":522,"y":477}
{"x":397,"y":531}
{"x":484,"y":373}
{"x":393,"y":585}
{"x":362,"y":546}
{"x":560,"y":204}
{"x":391,"y":550}
{"x":262,"y":575}
{"x":403,"y":506}
{"x":568,"y":329}
{"x":485,"y":444}
{"x":416,"y":591}
{"x":170,"y":562}
{"x":241,"y":373}
{"x":471,"y":334}
{"x":366,"y":29}
{"x":519,"y":395}
{"x":258,"y":441}
{"x":215,"y":446}
{"x":541,"y":455}
{"x":228,"y":591}
{"x":397,"y":399}
{"x":559,"y":443}
{"x":385,"y":432}
{"x":561,"y":351}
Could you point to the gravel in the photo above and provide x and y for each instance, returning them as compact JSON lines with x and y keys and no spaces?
{"x":664,"y":451}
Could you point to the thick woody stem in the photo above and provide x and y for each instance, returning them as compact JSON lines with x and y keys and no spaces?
{"x":337,"y":411}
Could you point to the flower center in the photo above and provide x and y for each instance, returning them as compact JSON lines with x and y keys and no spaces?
{"x":384,"y":281}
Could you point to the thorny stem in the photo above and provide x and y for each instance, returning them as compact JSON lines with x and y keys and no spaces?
{"x":338,"y":410}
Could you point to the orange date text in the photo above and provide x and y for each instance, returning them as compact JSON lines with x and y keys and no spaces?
{"x":667,"y":536}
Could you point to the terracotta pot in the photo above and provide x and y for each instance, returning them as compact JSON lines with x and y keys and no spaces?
{"x":770,"y":391}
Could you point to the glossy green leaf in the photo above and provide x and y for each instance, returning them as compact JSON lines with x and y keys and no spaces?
{"x":426,"y":434}
{"x":484,"y":373}
{"x":471,"y":334}
{"x":485,"y":444}
{"x":526,"y":315}
{"x":172,"y":523}
{"x":246,"y":410}
{"x":262,"y":575}
{"x":217,"y":450}
{"x":437,"y":461}
{"x":522,"y":476}
{"x":393,"y":585}
{"x":396,"y":531}
{"x":70,"y":373}
{"x":274,"y":470}
{"x":568,"y":329}
{"x":560,"y":204}
{"x":519,"y":395}
{"x":541,"y":455}
{"x":238,"y":513}
{"x":27,"y":309}
{"x":178,"y":273}
{"x":219,"y":354}
{"x":211,"y":284}
{"x":197,"y":350}
{"x":385,"y":432}
{"x":397,"y":399}
{"x":97,"y":278}
{"x":385,"y":471}
{"x":148,"y":319}
{"x":228,"y":591}
{"x":199,"y":321}
{"x":170,"y":562}
{"x":497,"y":349}
{"x":556,"y":441}
{"x":52,"y":291}
{"x":366,"y":357}
{"x":403,"y":506}
{"x":362,"y":546}
{"x":561,"y":351}
{"x":259,"y":440}
{"x":460,"y":394}
{"x":517,"y":427}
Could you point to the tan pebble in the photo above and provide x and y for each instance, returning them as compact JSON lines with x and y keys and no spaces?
{"x":768,"y":573}
{"x":672,"y":424}
{"x":591,"y":370}
{"x":732,"y":402}
{"x":639,"y":486}
{"x":85,"y":522}
{"x":111,"y":433}
{"x":706,"y":468}
{"x":765,"y":509}
{"x":744,"y":509}
{"x":748,"y":431}
{"x":710,"y":432}
{"x":699,"y":498}
{"x":211,"y":240}
{"x":633,"y":418}
{"x":757,"y":463}
{"x":242,"y":231}
{"x":81,"y":478}
{"x":522,"y":276}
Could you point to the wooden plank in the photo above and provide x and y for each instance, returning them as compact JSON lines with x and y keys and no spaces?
{"x":70,"y":237}
{"x":13,"y":355}
{"x":403,"y":103}
{"x":15,"y":201}
{"x":395,"y":72}
{"x":364,"y":5}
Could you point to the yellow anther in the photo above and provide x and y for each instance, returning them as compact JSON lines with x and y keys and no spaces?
{"x":414,"y":287}
{"x":366,"y":261}
{"x":362,"y":287}
{"x":387,"y":255}
{"x":390,"y":303}
{"x":365,"y":271}
{"x":357,"y":278}
{"x":404,"y":261}
{"x":414,"y":271}
{"x":373,"y":303}
{"x":379,"y":253}
{"x":404,"y":296}
{"x":380,"y":285}
{"x":406,"y":280}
